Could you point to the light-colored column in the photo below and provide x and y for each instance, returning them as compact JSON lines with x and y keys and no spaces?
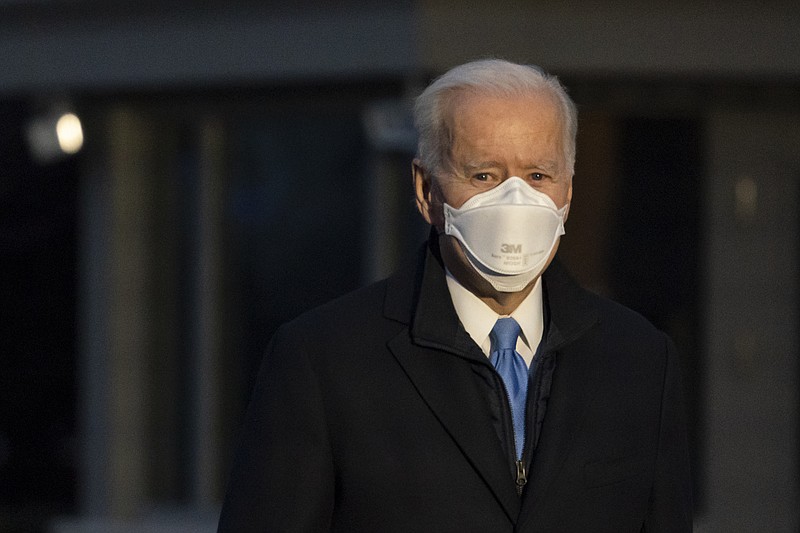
{"x":130,"y":271}
{"x":206,"y":478}
{"x":116,"y":324}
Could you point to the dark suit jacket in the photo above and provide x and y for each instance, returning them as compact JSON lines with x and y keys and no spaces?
{"x":369,"y":415}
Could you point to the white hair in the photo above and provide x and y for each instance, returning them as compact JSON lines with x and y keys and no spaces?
{"x":492,"y":77}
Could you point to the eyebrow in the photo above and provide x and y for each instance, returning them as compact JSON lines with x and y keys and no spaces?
{"x":549,"y":166}
{"x":482,"y":164}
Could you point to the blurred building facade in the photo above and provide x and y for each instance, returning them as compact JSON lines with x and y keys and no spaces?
{"x":244,"y":161}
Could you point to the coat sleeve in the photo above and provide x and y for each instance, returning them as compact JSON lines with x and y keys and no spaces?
{"x":670,"y":507}
{"x":282,"y":476}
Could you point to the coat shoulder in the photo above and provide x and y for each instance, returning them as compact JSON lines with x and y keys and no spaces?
{"x":363,"y":300}
{"x":627,"y":336}
{"x":356,"y":315}
{"x":615,"y":314}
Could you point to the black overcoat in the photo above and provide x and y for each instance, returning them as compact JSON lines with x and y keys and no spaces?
{"x":368,"y":415}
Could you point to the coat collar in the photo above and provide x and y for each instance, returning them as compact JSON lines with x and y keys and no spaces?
{"x":417,"y":296}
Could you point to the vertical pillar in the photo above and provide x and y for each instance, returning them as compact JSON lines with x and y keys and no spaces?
{"x":117,"y":266}
{"x":204,"y":360}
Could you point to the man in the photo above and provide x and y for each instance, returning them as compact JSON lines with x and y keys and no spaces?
{"x":478,"y":389}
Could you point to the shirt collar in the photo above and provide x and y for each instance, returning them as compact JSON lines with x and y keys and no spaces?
{"x":478,"y":319}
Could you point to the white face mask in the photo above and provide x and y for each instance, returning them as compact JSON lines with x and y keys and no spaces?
{"x":507,"y":232}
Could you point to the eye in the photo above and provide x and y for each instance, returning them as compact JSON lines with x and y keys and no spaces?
{"x":483,"y":176}
{"x":538,"y":176}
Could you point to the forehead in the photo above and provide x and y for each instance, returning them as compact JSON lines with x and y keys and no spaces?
{"x":527,"y":125}
{"x":537,"y":107}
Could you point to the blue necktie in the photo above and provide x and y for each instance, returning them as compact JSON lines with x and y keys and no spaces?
{"x":511,"y":367}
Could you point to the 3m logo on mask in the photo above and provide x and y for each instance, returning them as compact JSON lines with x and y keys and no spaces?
{"x":511,"y":248}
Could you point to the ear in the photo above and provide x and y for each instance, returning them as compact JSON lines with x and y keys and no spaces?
{"x":423,"y":191}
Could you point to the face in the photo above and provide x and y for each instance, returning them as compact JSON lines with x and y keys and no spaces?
{"x":493,"y":139}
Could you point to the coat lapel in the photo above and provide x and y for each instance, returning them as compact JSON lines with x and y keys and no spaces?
{"x":451,"y":393}
{"x":438,"y":357}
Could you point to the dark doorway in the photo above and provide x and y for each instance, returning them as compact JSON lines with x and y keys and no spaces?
{"x":656,"y":244}
{"x":37,"y":320}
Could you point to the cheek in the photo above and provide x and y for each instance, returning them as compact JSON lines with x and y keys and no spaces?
{"x":455,"y":196}
{"x":561,"y":196}
{"x":460,"y":200}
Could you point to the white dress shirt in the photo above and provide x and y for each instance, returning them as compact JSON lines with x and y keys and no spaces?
{"x":478,"y":319}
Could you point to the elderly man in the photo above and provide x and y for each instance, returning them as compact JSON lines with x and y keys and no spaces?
{"x":479,"y":389}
